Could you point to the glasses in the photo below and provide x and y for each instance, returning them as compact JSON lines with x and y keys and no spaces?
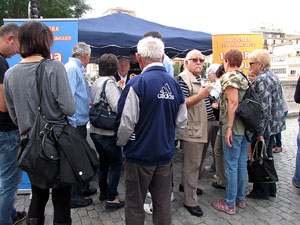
{"x":251,"y":63}
{"x":195,"y":60}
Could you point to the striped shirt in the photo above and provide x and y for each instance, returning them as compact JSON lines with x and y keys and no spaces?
{"x":186,"y":92}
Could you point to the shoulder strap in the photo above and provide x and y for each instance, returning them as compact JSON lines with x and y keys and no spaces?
{"x":243,"y":74}
{"x":39,"y":79}
{"x":102,"y":94}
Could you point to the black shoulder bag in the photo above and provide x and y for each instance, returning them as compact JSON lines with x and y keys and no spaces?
{"x":249,"y":109}
{"x":38,"y":154}
{"x":101,"y":114}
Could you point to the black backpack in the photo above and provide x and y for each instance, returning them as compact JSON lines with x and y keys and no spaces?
{"x":249,"y":109}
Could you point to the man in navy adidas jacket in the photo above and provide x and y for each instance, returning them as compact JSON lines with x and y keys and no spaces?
{"x":151,"y":112}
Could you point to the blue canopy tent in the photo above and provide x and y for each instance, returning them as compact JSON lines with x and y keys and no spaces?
{"x":119,"y":34}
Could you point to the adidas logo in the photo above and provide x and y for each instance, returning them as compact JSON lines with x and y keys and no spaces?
{"x":165,"y":93}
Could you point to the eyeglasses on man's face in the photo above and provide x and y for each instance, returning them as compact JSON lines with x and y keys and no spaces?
{"x":195,"y":60}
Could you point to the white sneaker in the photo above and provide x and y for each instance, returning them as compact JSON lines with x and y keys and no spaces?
{"x":149,"y":195}
{"x":172,"y":196}
{"x":148,"y":208}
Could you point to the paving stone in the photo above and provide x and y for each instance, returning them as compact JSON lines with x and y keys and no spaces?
{"x":283,"y":210}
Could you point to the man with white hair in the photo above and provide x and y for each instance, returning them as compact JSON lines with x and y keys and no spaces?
{"x":151,"y":111}
{"x":75,"y":68}
{"x":195,"y":137}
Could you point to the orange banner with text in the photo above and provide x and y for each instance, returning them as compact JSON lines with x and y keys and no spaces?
{"x":246,"y":43}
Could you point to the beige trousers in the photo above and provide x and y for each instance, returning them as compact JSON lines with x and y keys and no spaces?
{"x":193,"y":153}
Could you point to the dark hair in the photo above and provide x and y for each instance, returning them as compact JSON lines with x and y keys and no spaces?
{"x":35,"y":38}
{"x":153,"y":33}
{"x":10,"y":28}
{"x":132,"y":52}
{"x":234,"y":57}
{"x":220,"y":71}
{"x":108,"y":65}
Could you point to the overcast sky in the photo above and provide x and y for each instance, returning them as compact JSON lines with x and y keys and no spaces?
{"x":212,"y":16}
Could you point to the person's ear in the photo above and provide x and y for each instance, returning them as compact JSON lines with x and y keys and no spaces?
{"x":163,"y":58}
{"x":9,"y":39}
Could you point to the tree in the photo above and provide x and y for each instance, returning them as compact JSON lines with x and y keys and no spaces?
{"x":47,"y":8}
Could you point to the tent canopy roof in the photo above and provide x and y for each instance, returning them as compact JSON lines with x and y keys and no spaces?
{"x":119,"y":33}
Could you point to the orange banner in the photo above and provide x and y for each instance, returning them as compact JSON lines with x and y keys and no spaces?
{"x":246,"y":43}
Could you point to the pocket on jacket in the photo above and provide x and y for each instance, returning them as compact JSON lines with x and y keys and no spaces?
{"x":194,"y":130}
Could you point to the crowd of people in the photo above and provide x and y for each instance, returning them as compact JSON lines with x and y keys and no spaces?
{"x":153,"y":109}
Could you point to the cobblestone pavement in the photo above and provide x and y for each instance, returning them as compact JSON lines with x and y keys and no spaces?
{"x":284,"y":209}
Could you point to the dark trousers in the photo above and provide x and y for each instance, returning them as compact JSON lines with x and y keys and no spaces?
{"x":79,"y":188}
{"x":61,"y":202}
{"x":268,"y":189}
{"x":110,"y":156}
{"x":138,"y":179}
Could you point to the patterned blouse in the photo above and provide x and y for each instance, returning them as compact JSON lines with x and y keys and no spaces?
{"x":268,"y":88}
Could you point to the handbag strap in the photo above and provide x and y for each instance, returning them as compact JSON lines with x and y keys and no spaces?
{"x":241,"y":72}
{"x":262,"y":152}
{"x":39,"y":78}
{"x":103,"y":94}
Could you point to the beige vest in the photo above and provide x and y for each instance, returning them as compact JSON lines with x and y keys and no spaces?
{"x":196,"y":130}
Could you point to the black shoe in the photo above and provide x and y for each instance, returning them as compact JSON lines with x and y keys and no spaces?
{"x":111,"y":205}
{"x":102,"y":196}
{"x":256,"y":196}
{"x":20,"y":217}
{"x":199,"y":191}
{"x":194,"y":210}
{"x":215,"y":184}
{"x":81,"y":203}
{"x":90,"y":191}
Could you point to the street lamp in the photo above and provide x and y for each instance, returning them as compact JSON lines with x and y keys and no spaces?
{"x":34,"y":9}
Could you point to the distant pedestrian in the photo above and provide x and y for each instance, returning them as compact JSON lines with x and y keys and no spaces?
{"x":151,"y":110}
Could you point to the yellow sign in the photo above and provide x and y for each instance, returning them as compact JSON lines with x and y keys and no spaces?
{"x":246,"y":43}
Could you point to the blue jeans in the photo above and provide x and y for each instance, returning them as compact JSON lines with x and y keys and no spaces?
{"x":10,"y":175}
{"x":236,"y":168}
{"x":110,"y":156}
{"x":297,"y":169}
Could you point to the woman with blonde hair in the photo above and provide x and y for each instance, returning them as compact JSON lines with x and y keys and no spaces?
{"x":272,"y":121}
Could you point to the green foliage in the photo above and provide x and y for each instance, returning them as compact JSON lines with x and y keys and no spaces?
{"x":47,"y":9}
{"x":176,"y":69}
{"x":203,"y":72}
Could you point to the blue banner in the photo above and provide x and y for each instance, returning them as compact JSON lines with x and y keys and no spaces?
{"x":65,"y":33}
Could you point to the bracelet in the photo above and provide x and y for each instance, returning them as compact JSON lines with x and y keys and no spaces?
{"x":228,"y":127}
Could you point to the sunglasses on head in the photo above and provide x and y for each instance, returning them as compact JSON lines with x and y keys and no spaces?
{"x":195,"y":60}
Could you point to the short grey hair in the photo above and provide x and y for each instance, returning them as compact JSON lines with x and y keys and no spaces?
{"x":151,"y":48}
{"x":10,"y":28}
{"x":80,"y":49}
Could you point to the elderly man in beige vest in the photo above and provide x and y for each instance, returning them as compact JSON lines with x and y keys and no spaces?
{"x":195,"y":136}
